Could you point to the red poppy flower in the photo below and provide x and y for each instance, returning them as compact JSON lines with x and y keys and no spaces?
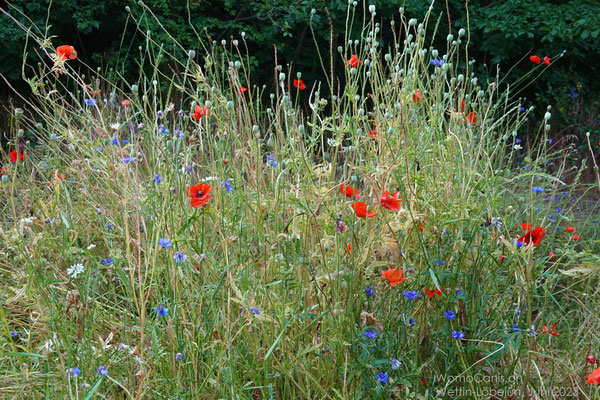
{"x":354,"y":61}
{"x":424,"y":381}
{"x":199,"y":194}
{"x":551,"y":255}
{"x":65,"y":51}
{"x":349,"y":191}
{"x":199,"y":112}
{"x":417,"y":96}
{"x":394,"y":276}
{"x":472,"y":118}
{"x":390,"y":202}
{"x":299,"y":83}
{"x":591,"y":359}
{"x":525,"y":227}
{"x":373,"y":133}
{"x":575,"y":237}
{"x":349,"y":248}
{"x":13,"y":156}
{"x":544,"y":329}
{"x":535,"y":59}
{"x":421,"y":228}
{"x":125,"y":103}
{"x":360,"y":209}
{"x":432,"y":293}
{"x":547,"y":60}
{"x":594,"y":377}
{"x":241,"y":89}
{"x":570,"y":229}
{"x":533,"y":236}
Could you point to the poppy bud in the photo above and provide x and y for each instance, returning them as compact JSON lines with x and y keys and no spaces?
{"x":243,"y":34}
{"x":254,"y":128}
{"x":237,"y":64}
{"x":169,"y":143}
{"x":401,"y":10}
{"x":461,"y":32}
{"x":412,"y":22}
{"x":223,"y":42}
{"x":134,"y":88}
{"x":352,"y":71}
{"x":434,"y":53}
{"x":460,"y":78}
{"x":18,"y":113}
{"x":53,"y":137}
{"x":388,"y":57}
{"x":4,"y":178}
{"x":235,"y":43}
{"x":547,"y":116}
{"x":547,"y":127}
{"x":372,"y":8}
{"x":450,"y":38}
{"x":230,"y":105}
{"x":285,"y":98}
{"x":281,"y":76}
{"x":301,"y":128}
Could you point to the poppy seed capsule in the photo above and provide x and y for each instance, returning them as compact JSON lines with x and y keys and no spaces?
{"x":230,"y":105}
{"x":372,"y":8}
{"x":547,"y":116}
{"x":461,"y":32}
{"x":238,"y":64}
{"x":4,"y":178}
{"x":281,"y":76}
{"x":254,"y":128}
{"x":412,"y":22}
{"x":134,"y":88}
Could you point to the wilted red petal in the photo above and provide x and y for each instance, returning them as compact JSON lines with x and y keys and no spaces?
{"x":547,"y":60}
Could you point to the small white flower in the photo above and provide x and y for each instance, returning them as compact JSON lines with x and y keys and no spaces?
{"x":210,"y":178}
{"x":91,"y":246}
{"x":115,"y":125}
{"x":75,"y":270}
{"x":517,"y":147}
{"x":496,"y":221}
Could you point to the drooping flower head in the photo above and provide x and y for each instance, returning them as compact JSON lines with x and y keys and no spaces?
{"x":535,"y":59}
{"x":431,"y":293}
{"x":199,"y":194}
{"x":65,"y":51}
{"x":547,"y":60}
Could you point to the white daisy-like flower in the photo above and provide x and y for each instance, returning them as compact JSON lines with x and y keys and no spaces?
{"x":115,"y":125}
{"x":74,"y":270}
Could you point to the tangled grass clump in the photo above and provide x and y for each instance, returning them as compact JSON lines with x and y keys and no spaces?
{"x":190,"y":236}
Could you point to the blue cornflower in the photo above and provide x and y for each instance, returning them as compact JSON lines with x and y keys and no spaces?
{"x":439,"y":63}
{"x":369,"y":291}
{"x":161,"y":311}
{"x":128,"y":159}
{"x":440,"y":262}
{"x":179,"y":256}
{"x":109,"y":227}
{"x":114,"y":141}
{"x":163,"y":130}
{"x":189,"y":169}
{"x":271,"y":161}
{"x":179,"y":133}
{"x":102,"y":370}
{"x":559,"y":210}
{"x":75,"y":371}
{"x":125,"y":141}
{"x":14,"y":334}
{"x":412,"y":321}
{"x":370,"y":334}
{"x":382,"y":377}
{"x":521,"y":108}
{"x":549,"y":141}
{"x":157,"y":178}
{"x":558,"y":229}
{"x":90,"y":102}
{"x":538,"y":189}
{"x":517,"y":140}
{"x":227,"y":185}
{"x":450,"y":315}
{"x":179,"y":356}
{"x":410,"y":294}
{"x":395,"y":363}
{"x":516,"y":328}
{"x":458,"y":335}
{"x":165,"y":243}
{"x":99,"y":148}
{"x":107,"y":261}
{"x":519,"y":243}
{"x":255,"y":310}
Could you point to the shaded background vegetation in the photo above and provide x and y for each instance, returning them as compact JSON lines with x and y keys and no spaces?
{"x":504,"y":33}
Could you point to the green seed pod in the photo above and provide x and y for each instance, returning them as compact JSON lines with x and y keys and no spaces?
{"x":300,"y":128}
{"x":450,"y":37}
{"x":230,"y":105}
{"x":412,"y":22}
{"x":134,"y":88}
{"x":461,"y":32}
{"x":237,"y":64}
{"x":254,"y":128}
{"x":4,"y":178}
{"x":18,"y":113}
{"x":281,"y":76}
{"x":354,"y":178}
{"x":390,"y":130}
{"x":353,"y":71}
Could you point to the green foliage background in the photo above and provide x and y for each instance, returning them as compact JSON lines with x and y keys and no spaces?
{"x":503,"y":35}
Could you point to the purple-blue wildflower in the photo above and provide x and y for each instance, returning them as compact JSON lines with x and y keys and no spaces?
{"x":450,"y":315}
{"x":271,"y":161}
{"x":255,"y":310}
{"x":179,"y":256}
{"x":102,"y":370}
{"x":107,"y":261}
{"x":370,"y":334}
{"x":161,"y":311}
{"x":382,"y":377}
{"x":458,"y":335}
{"x":369,"y":291}
{"x":411,"y":294}
{"x":75,"y":371}
{"x":227,"y":185}
{"x":165,"y":243}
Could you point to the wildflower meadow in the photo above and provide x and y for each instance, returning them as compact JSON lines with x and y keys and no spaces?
{"x":387,"y":232}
